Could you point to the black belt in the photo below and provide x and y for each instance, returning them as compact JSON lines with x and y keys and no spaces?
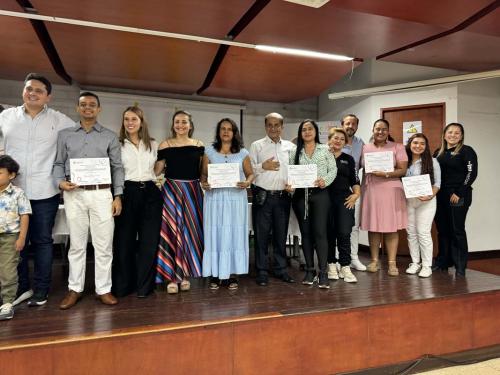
{"x":138,"y":184}
{"x":277,"y":193}
{"x":95,"y":187}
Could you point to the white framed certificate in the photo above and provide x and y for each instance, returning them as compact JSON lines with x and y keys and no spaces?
{"x":382,"y":161}
{"x":417,"y":186}
{"x":302,"y":176}
{"x":223,"y":175}
{"x":90,"y":171}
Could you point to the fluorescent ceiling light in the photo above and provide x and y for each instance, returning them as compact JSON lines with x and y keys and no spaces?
{"x":462,"y":78}
{"x":164,"y":34}
{"x":303,"y":52}
{"x":310,"y":3}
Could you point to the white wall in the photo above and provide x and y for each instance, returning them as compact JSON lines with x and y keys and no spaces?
{"x":479,"y":112}
{"x":476,"y":105}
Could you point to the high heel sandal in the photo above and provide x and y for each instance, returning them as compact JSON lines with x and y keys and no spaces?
{"x":172,"y":288}
{"x":373,"y":266}
{"x":393,"y":269}
{"x":185,"y":285}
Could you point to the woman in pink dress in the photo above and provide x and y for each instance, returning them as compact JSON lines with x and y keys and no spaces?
{"x":383,"y":204}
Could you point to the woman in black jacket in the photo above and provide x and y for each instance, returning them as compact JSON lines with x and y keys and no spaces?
{"x":458,"y":164}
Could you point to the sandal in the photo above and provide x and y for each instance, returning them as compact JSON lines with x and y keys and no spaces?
{"x":373,"y":266}
{"x":185,"y":285}
{"x":172,"y":288}
{"x":393,"y":269}
{"x":214,"y":283}
{"x":232,"y":284}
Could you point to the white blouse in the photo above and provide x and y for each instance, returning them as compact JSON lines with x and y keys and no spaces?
{"x":139,"y":162}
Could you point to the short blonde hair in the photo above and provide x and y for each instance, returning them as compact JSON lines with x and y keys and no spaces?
{"x":332,"y":131}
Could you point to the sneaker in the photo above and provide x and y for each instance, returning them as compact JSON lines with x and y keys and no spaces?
{"x":214,"y":283}
{"x":6,"y":311}
{"x":425,"y":271}
{"x":413,"y":268}
{"x":347,"y":275}
{"x":357,"y":265}
{"x":309,"y":278}
{"x":332,"y":271}
{"x":323,"y":282}
{"x":37,"y":300}
{"x":22,"y":296}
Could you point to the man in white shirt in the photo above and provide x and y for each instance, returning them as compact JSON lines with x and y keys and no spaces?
{"x":271,"y":203}
{"x":354,"y":147}
{"x":30,"y":138}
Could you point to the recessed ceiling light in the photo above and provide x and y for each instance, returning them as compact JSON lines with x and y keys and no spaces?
{"x":310,"y":3}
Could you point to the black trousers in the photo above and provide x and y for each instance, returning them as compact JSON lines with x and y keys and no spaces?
{"x":272,"y":216}
{"x":341,"y":221}
{"x":314,"y":225}
{"x":452,"y":238}
{"x":137,"y":232}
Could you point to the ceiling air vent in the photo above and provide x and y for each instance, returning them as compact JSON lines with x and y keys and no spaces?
{"x":310,"y":3}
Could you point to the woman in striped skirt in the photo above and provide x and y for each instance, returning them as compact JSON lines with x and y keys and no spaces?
{"x":181,"y":237}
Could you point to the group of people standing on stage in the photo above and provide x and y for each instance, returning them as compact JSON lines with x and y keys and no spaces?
{"x":143,"y":235}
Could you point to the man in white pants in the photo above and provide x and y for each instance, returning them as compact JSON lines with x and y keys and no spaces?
{"x":89,"y":206}
{"x":354,"y":147}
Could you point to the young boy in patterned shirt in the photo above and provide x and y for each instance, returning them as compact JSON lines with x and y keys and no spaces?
{"x":14,"y":220}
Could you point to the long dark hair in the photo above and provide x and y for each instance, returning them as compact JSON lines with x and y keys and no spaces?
{"x":444,"y":147}
{"x":384,"y":121}
{"x":426,"y":157}
{"x":236,"y":142}
{"x":143,"y":131}
{"x":300,"y":140}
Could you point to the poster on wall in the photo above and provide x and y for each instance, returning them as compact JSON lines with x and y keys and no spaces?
{"x":410,"y":128}
{"x":324,"y":127}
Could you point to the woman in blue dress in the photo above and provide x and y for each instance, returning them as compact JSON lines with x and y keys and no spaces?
{"x":225,"y":217}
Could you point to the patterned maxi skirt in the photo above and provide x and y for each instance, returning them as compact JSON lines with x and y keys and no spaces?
{"x":180,"y":249}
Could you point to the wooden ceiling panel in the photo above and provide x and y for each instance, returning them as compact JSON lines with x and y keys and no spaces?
{"x":132,"y":61}
{"x":255,"y":75}
{"x":443,"y":13}
{"x":464,"y":51}
{"x":212,"y":18}
{"x":22,"y":52}
{"x":332,"y":30}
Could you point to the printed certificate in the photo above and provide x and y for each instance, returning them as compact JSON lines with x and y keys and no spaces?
{"x":302,"y":176}
{"x":223,"y":175}
{"x":417,"y":186}
{"x":90,"y":171}
{"x":379,"y":161}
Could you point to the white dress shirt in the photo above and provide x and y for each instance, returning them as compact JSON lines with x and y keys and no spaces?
{"x":32,"y":142}
{"x":264,"y":149}
{"x":139,"y":162}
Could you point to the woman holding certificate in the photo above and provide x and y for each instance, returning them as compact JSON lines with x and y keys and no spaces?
{"x":312,"y":203}
{"x":344,"y":192}
{"x":383,"y":202}
{"x":180,"y":248}
{"x":458,"y":172}
{"x":225,"y":206}
{"x":421,"y":209}
{"x":137,"y":229}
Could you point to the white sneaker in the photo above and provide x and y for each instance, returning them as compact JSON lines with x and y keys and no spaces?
{"x":332,"y":272}
{"x":413,"y":268}
{"x":357,"y":265}
{"x":346,"y":274}
{"x":425,"y":271}
{"x":6,"y":311}
{"x":23,"y":297}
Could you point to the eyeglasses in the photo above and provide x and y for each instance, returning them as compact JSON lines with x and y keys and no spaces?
{"x":273,"y":127}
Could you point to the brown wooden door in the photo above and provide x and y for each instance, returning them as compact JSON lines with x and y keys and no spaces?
{"x":433,"y":122}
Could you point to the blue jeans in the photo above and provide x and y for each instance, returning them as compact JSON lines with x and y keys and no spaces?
{"x":40,"y":244}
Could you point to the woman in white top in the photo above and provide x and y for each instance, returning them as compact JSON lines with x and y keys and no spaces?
{"x":421,"y":210}
{"x":137,"y":229}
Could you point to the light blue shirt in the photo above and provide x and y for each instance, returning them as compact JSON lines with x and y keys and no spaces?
{"x":355,"y":150}
{"x":415,"y":170}
{"x":32,"y":142}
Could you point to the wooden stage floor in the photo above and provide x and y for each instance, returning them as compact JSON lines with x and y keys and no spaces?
{"x":89,"y":319}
